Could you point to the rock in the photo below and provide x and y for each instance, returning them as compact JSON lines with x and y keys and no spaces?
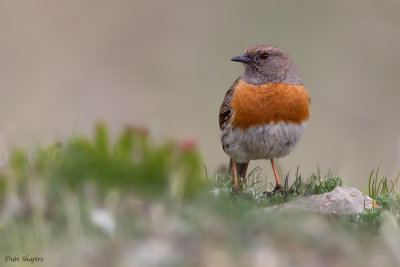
{"x":340,"y":201}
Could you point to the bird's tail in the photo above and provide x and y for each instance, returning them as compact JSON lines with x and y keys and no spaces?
{"x":241,"y":169}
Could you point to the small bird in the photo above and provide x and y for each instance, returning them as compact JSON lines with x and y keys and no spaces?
{"x":264,"y":112}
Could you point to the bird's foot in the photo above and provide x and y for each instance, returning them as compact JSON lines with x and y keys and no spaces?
{"x":236,"y":189}
{"x":277,"y":188}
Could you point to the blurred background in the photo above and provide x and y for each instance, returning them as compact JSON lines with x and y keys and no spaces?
{"x":166,"y":65}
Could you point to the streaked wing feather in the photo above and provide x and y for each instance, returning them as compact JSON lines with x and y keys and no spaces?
{"x":225,"y":112}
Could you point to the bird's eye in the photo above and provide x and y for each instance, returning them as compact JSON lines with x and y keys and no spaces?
{"x":264,"y":56}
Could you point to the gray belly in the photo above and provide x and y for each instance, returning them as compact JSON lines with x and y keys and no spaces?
{"x":261,"y":142}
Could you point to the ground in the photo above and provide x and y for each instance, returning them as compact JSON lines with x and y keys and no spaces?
{"x":131,"y":202}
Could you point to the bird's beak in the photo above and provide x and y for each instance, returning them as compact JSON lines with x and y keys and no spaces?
{"x":243,"y":58}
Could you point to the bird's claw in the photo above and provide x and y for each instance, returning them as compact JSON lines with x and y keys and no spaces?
{"x":277,"y":188}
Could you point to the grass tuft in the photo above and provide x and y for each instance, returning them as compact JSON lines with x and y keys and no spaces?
{"x":254,"y":187}
{"x":380,"y":185}
{"x":385,"y":197}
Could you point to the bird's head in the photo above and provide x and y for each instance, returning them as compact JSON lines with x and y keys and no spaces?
{"x":268,"y":64}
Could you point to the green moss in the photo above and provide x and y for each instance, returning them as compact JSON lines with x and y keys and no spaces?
{"x":317,"y":184}
{"x":389,"y":201}
{"x":371,"y":217}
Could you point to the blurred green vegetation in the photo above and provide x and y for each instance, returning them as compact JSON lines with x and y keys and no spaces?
{"x":111,"y":197}
{"x":130,"y":164}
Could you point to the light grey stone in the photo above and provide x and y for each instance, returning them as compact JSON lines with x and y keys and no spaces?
{"x":340,"y":201}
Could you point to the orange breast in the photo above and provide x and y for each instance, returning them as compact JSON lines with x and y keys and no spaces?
{"x":273,"y":102}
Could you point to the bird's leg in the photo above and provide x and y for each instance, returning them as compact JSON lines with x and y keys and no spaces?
{"x":277,"y":182}
{"x":235,"y":184}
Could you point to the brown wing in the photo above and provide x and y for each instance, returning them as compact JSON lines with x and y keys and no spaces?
{"x":225,"y":112}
